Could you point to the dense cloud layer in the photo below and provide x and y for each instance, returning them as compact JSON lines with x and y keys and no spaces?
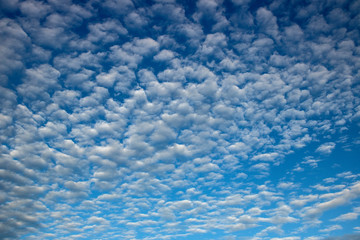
{"x":170,"y":119}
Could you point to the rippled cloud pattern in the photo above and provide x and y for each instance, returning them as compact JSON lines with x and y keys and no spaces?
{"x":165,"y":119}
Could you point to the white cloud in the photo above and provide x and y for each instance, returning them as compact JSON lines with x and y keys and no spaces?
{"x":107,"y":32}
{"x":136,"y":20}
{"x":265,"y":157}
{"x":341,"y":198}
{"x":142,"y":47}
{"x":97,"y":220}
{"x":286,"y":238}
{"x":164,"y":55}
{"x":260,"y":167}
{"x":189,"y":115}
{"x":346,"y":217}
{"x":331,"y":228}
{"x":123,"y":57}
{"x":118,"y":6}
{"x":267,"y":22}
{"x":122,"y":76}
{"x":287,"y":185}
{"x":326,"y":148}
{"x":311,"y":162}
{"x":34,"y":9}
{"x":14,"y":41}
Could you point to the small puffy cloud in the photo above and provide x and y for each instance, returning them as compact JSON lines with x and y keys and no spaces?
{"x":241,"y":175}
{"x":208,"y":167}
{"x":118,"y":6}
{"x":14,"y":43}
{"x":76,"y":186}
{"x":108,"y":31}
{"x":164,"y":55}
{"x":326,"y":148}
{"x":267,"y":22}
{"x":122,"y":77}
{"x":294,"y":33}
{"x":34,"y":9}
{"x":311,"y":162}
{"x":136,"y":20}
{"x":5,"y":120}
{"x":286,"y":238}
{"x":287,"y":185}
{"x":97,"y":220}
{"x":265,"y":157}
{"x":260,"y":167}
{"x":142,"y":47}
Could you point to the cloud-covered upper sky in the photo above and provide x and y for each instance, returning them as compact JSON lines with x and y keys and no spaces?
{"x":165,"y":119}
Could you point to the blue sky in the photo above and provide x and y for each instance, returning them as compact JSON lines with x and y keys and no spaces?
{"x":164,"y":119}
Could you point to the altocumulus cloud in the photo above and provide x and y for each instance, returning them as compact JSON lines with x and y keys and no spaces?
{"x":165,"y":119}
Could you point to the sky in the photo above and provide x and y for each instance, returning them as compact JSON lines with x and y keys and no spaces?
{"x":165,"y":119}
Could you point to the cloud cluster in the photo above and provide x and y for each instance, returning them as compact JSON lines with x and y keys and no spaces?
{"x":124,"y":119}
